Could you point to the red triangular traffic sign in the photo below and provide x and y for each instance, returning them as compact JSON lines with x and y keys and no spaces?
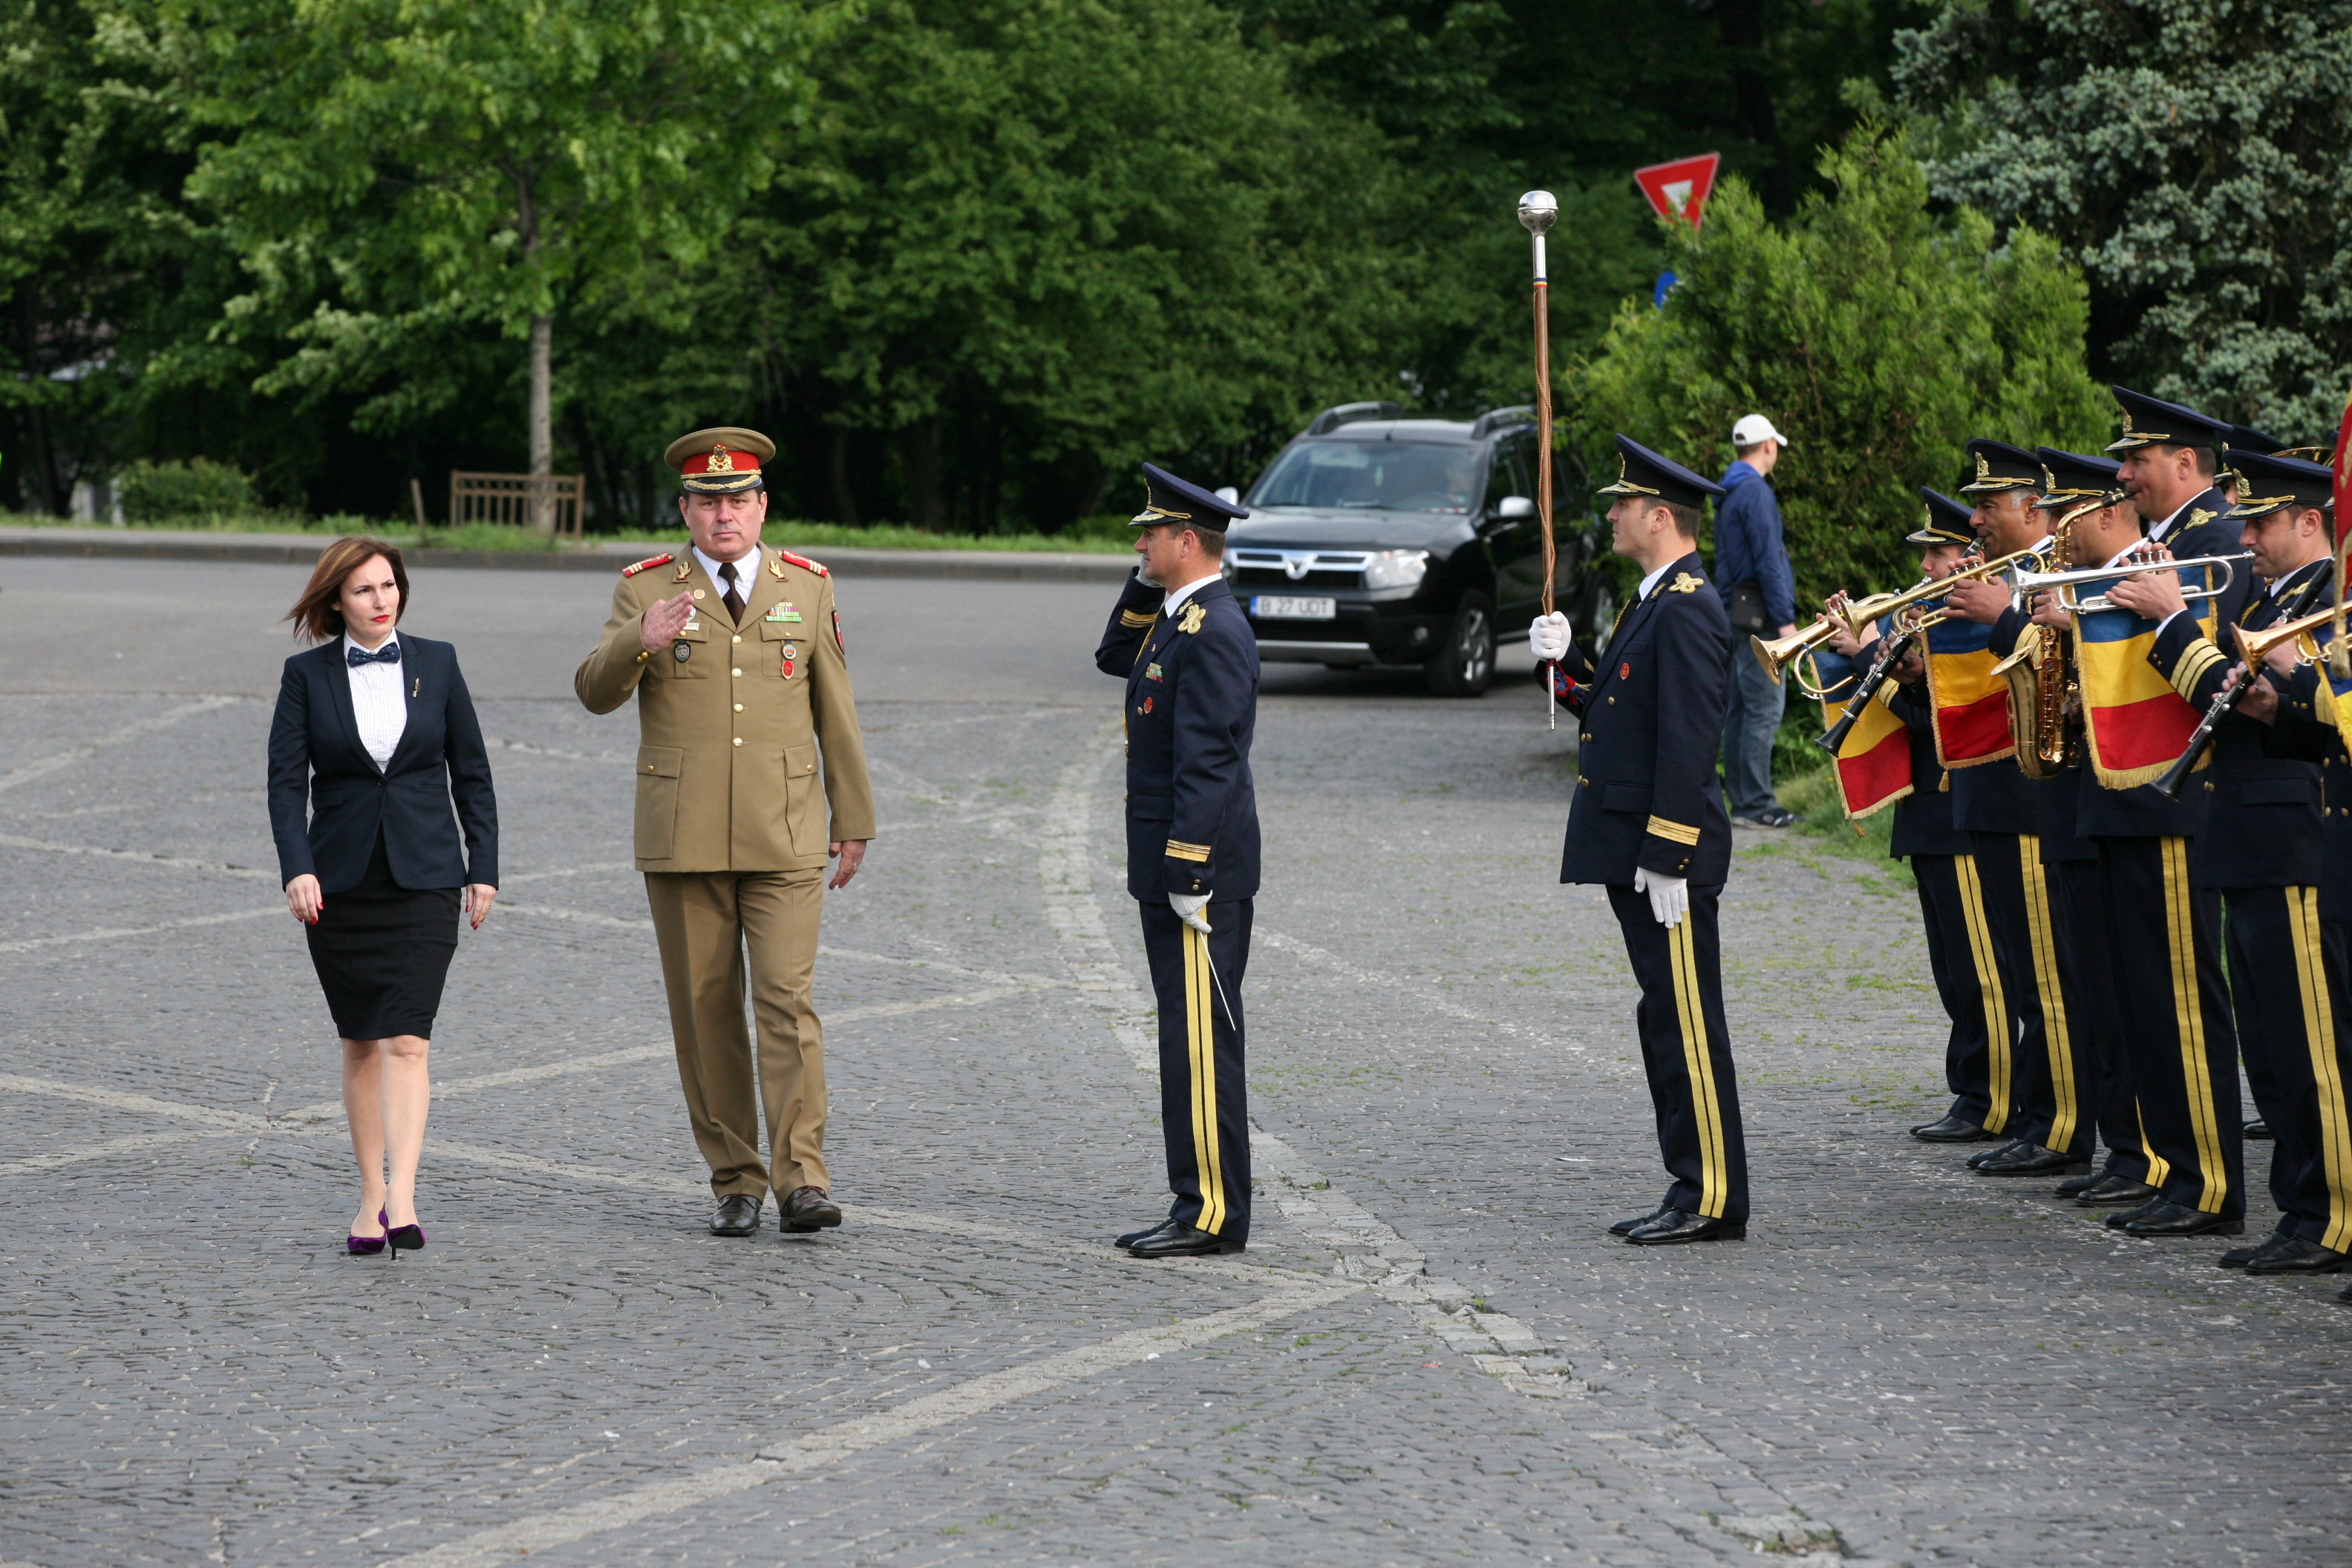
{"x":1680,"y":189}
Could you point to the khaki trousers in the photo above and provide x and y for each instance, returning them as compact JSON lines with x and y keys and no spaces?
{"x":705,"y":921}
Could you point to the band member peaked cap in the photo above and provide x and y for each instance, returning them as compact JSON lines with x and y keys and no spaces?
{"x":719,"y":461}
{"x":1641,"y":472}
{"x":2266,"y":484}
{"x":1167,"y":498}
{"x":1946,"y":522}
{"x":1997,"y":465}
{"x":2153,"y":422}
{"x":2070,"y":477}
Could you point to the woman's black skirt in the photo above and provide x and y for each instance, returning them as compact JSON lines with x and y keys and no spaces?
{"x":382,"y":952}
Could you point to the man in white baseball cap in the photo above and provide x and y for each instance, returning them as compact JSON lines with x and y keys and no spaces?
{"x":1751,"y":573}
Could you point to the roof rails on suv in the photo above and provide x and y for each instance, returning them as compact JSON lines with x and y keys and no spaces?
{"x":1495,"y":419}
{"x":1330,"y":419}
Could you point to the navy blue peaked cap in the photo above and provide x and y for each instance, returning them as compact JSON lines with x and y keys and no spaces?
{"x":1948,"y":520}
{"x":1167,"y":498}
{"x":2266,"y":483}
{"x":2068,"y":477}
{"x":1997,"y":465}
{"x":2245,"y":438}
{"x":1641,"y":472}
{"x":2153,"y":422}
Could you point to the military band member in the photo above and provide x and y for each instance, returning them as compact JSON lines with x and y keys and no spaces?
{"x":2264,"y":845}
{"x":734,"y":652}
{"x":1648,"y":822}
{"x":1179,"y":640}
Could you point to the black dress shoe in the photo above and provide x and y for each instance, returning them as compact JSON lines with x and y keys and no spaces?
{"x":739,"y":1215}
{"x":1164,"y":1227}
{"x":1628,"y":1227}
{"x":2075,"y":1186}
{"x":2023,"y":1159}
{"x":807,"y":1209}
{"x":2116,"y":1193}
{"x":2258,"y":1128}
{"x":1953,"y":1129}
{"x":1175,"y":1240}
{"x":2295,"y":1255}
{"x":1677,"y":1225}
{"x":2239,"y":1256}
{"x":2160,"y":1218}
{"x":2014,"y":1146}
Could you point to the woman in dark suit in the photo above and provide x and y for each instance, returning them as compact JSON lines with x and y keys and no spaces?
{"x":377,"y":730}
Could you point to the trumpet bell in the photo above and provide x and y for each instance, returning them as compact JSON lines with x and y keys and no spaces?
{"x":2253,"y":645}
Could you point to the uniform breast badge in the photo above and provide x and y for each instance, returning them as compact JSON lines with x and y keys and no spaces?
{"x":1684,"y":583}
{"x":785,"y":611}
{"x":791,"y":653}
{"x":681,"y":651}
{"x":1151,"y":672}
{"x":1191,"y":619}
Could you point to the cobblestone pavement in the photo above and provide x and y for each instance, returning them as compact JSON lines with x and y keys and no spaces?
{"x":1430,"y":1353}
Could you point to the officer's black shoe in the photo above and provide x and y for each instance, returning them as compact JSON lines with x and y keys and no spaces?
{"x":1183,"y":1241}
{"x":807,"y":1209}
{"x":2345,"y":1295}
{"x":2239,"y":1256}
{"x":739,"y":1215}
{"x":2075,"y":1186}
{"x":2018,"y":1146}
{"x":1164,"y":1227}
{"x":1628,"y":1227}
{"x":1677,"y":1225}
{"x":1953,"y":1129}
{"x":2295,"y":1255}
{"x":2023,"y":1159}
{"x":2155,"y":1201}
{"x":2113,"y":1192}
{"x":2178,"y":1219}
{"x":2258,"y":1128}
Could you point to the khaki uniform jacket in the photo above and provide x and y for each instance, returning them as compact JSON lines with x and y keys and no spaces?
{"x":731,"y":735}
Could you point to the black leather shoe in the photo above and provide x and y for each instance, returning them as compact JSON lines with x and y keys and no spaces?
{"x":739,"y":1215}
{"x":1164,"y":1227}
{"x":1628,"y":1227}
{"x":2178,"y":1219}
{"x":2156,"y":1202}
{"x":1677,"y":1225}
{"x":2014,"y":1146}
{"x":807,"y":1209}
{"x":2075,"y":1186}
{"x":1953,"y":1129}
{"x":2295,"y":1255}
{"x":1176,"y":1240}
{"x":2023,"y":1159}
{"x":2115,"y":1192}
{"x":2258,"y":1129}
{"x":2239,"y":1256}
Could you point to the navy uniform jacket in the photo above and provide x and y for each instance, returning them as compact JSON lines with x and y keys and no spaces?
{"x":1650,"y":724}
{"x":1192,"y":709}
{"x":2201,"y":531}
{"x":2261,"y":812}
{"x":1997,"y":797}
{"x":1923,"y":819}
{"x":315,"y":752}
{"x":2300,"y":732}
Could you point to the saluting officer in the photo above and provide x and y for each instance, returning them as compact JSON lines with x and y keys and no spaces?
{"x":1190,"y":660}
{"x":735,"y":653}
{"x":1648,"y":822}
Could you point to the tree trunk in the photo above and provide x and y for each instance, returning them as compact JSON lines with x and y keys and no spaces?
{"x":845,"y":498}
{"x":920,"y":448}
{"x":542,"y":420}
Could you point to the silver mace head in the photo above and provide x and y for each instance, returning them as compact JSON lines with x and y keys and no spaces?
{"x":1539,"y":210}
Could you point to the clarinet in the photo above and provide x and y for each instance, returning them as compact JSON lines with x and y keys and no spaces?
{"x":2170,"y":785}
{"x":1890,"y":649}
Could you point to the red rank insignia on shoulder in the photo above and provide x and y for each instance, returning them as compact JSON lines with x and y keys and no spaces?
{"x":804,"y":563}
{"x":647,"y":564}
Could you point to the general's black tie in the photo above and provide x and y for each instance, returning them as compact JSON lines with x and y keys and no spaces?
{"x":733,"y":597}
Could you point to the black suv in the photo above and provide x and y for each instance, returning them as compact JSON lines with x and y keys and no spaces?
{"x":1377,"y":540}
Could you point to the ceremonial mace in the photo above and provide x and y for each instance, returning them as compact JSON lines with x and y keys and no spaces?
{"x":1537,"y":211}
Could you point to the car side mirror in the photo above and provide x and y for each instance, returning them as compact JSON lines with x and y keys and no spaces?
{"x":1227,"y":493}
{"x":1513,"y":508}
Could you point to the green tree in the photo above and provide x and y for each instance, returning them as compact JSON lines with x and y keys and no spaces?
{"x":1878,"y":335}
{"x":2192,"y":158}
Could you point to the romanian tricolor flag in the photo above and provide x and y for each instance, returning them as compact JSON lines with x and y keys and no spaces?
{"x":1970,"y":702}
{"x":1874,"y":762}
{"x":2137,"y":723}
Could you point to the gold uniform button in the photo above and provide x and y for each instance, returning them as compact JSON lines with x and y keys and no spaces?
{"x":1612,"y":702}
{"x":739,"y":707}
{"x":697,"y":593}
{"x":739,"y":739}
{"x":735,"y":672}
{"x":738,"y":637}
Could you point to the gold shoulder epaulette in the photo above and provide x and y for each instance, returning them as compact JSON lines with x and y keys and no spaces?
{"x":648,"y":563}
{"x":1684,"y":583}
{"x":2199,"y":516}
{"x":802,"y":561}
{"x":1189,"y":619}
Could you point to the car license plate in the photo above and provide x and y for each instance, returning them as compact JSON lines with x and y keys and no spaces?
{"x":1287,"y":607}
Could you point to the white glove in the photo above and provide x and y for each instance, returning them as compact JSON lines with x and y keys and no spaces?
{"x":1188,"y":907}
{"x":1669,"y":896}
{"x":1548,"y":636}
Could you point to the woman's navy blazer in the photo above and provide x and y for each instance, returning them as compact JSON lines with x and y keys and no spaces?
{"x":315,"y":750}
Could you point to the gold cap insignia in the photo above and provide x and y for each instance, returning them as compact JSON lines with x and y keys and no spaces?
{"x":723,"y":461}
{"x":1984,"y":469}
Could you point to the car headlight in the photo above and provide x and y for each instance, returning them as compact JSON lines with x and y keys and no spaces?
{"x":1396,"y":569}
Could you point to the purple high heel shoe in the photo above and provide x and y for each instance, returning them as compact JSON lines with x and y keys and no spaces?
{"x":403,"y":1237}
{"x":366,"y":1246}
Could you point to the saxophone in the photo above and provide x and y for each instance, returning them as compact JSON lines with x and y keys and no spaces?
{"x":2044,"y":692}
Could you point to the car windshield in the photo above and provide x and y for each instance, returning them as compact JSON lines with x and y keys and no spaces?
{"x":1392,"y":475}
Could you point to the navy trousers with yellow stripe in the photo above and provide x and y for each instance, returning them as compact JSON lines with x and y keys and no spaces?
{"x":1203,"y":1090}
{"x":2095,"y":1016}
{"x":2290,"y":970}
{"x":2165,"y":946}
{"x":2044,"y":1080}
{"x":1967,"y":982}
{"x":1686,"y":1050}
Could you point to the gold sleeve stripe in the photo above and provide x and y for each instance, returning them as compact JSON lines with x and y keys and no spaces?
{"x":1136,"y":619}
{"x":2195,"y":660}
{"x":1673,"y":831}
{"x":1178,"y":850}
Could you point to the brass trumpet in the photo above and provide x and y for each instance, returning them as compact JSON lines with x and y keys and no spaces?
{"x":1858,"y":614}
{"x":1777,"y":655}
{"x":2029,"y":584}
{"x":2252,"y":646}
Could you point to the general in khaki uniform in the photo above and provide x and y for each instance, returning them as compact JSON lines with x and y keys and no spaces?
{"x":748,"y":737}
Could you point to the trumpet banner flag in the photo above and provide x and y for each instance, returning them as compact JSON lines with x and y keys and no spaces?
{"x":2138,"y":725}
{"x":1874,"y":762}
{"x":1969,"y":703}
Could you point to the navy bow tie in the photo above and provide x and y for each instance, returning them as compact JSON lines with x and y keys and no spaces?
{"x":388,"y":654}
